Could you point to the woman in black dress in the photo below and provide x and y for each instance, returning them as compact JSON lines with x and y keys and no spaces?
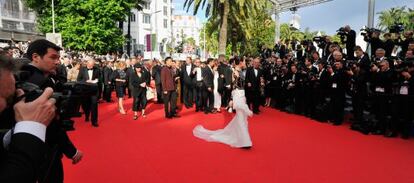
{"x":120,"y":77}
{"x":139,"y":91}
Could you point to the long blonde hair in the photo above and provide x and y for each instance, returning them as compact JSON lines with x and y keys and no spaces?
{"x":120,"y":65}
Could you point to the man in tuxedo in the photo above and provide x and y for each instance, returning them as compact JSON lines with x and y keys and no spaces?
{"x":253,"y":84}
{"x":107,"y":81}
{"x":225,"y":78}
{"x":188,"y":82}
{"x":208,"y":80}
{"x":156,"y":74}
{"x":25,"y":144}
{"x":169,"y":89}
{"x":90,"y":74}
{"x":199,"y":84}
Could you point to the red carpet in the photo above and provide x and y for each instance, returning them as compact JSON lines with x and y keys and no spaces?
{"x":286,"y":148}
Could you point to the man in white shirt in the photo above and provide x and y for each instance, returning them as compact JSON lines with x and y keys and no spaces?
{"x":23,"y":148}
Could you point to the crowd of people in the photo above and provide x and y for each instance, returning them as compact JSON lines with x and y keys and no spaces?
{"x":377,"y":89}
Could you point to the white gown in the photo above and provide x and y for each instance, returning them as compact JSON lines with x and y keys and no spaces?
{"x":236,"y":133}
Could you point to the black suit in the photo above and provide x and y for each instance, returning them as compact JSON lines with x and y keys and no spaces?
{"x":253,"y":92}
{"x":90,"y":104}
{"x":364,"y":62}
{"x":225,"y":81}
{"x":156,"y":74}
{"x":208,"y":96}
{"x":22,"y":161}
{"x":188,"y":85}
{"x":107,"y":81}
{"x":350,"y":44}
{"x":56,"y":138}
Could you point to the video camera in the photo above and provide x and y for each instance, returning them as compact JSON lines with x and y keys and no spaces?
{"x":67,"y":100}
{"x":367,"y":32}
{"x":397,"y":28}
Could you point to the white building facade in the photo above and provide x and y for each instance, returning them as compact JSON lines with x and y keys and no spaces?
{"x":17,"y":22}
{"x":151,"y":29}
{"x":186,"y":26}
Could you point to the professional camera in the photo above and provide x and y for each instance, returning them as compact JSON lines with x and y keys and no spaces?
{"x":341,"y":32}
{"x":66,"y":101}
{"x":367,"y":32}
{"x":320,"y":41}
{"x":397,"y":28}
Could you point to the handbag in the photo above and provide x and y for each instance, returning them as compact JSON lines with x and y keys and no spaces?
{"x":150,"y":93}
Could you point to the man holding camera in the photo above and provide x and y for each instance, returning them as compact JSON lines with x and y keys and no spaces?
{"x":350,"y":42}
{"x":44,"y":57}
{"x":22,"y":149}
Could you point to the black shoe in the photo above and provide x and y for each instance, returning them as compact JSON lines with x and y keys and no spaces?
{"x":95,"y":125}
{"x":247,"y":147}
{"x":168,"y":117}
{"x":206,"y":112}
{"x":175,"y":116}
{"x":390,"y":134}
{"x":86,"y":119}
{"x":256,"y":112}
{"x":197,"y":110}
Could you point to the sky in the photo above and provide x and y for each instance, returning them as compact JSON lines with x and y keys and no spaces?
{"x":328,"y":16}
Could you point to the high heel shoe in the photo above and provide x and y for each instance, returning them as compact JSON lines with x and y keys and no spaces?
{"x":144,"y":116}
{"x":135,"y":117}
{"x":122,"y":111}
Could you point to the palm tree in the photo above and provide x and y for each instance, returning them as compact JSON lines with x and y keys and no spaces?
{"x":388,"y":18}
{"x":225,"y":10}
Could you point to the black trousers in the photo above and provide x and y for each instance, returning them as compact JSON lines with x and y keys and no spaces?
{"x":199,"y":95}
{"x":100,"y":90}
{"x":90,"y":107}
{"x":139,"y":102}
{"x":337,"y":106}
{"x":208,"y":100}
{"x":253,"y":99}
{"x":226,"y":97}
{"x":107,"y":93}
{"x":402,"y":114}
{"x":382,"y":108}
{"x":159,"y":93}
{"x":188,"y":95}
{"x":170,"y":103}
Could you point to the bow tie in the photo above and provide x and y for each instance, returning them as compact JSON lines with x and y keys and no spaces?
{"x":90,"y":69}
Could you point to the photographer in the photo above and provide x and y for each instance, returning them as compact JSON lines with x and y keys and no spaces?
{"x":374,"y":40}
{"x":389,"y":45}
{"x":350,"y":42}
{"x":44,"y":57}
{"x":22,"y":149}
{"x":408,"y":38}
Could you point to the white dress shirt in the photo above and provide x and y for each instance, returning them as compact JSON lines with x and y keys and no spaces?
{"x":34,"y":128}
{"x":188,"y":68}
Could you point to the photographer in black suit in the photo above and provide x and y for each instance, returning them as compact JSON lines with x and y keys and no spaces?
{"x":44,"y":56}
{"x":22,"y":150}
{"x":90,"y":74}
{"x":350,"y":42}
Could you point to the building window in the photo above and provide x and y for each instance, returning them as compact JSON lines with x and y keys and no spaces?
{"x":146,"y":5}
{"x":29,"y":27}
{"x":10,"y":8}
{"x":165,"y":1}
{"x":165,"y":23}
{"x":146,"y":19}
{"x":165,"y":11}
{"x":9,"y":25}
{"x":133,"y":17}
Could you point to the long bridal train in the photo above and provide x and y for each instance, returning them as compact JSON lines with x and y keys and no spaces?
{"x":236,"y":133}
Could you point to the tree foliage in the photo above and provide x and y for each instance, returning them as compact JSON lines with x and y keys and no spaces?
{"x":85,"y":25}
{"x":392,"y":16}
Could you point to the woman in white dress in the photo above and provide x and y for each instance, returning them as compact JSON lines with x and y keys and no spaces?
{"x":217,"y":96}
{"x":236,"y":133}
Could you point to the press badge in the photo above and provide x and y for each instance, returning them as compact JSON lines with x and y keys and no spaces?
{"x":379,"y":89}
{"x":404,"y":90}
{"x":334,"y":85}
{"x":274,"y":78}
